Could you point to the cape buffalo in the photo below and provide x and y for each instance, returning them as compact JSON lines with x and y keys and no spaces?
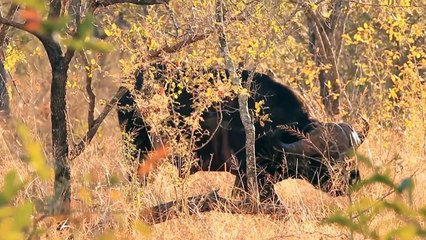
{"x":290,"y":144}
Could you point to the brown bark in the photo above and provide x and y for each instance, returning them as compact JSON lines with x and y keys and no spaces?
{"x":59,"y":64}
{"x":325,"y":46}
{"x":91,"y":95}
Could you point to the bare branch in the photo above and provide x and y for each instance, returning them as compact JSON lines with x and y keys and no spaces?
{"x":89,"y":90}
{"x":55,"y":8}
{"x":176,"y":24}
{"x":74,"y":10}
{"x":325,"y":40}
{"x":106,"y":3}
{"x":340,"y":30}
{"x":3,"y":29}
{"x":79,"y":148}
{"x":188,"y":39}
{"x":17,"y":25}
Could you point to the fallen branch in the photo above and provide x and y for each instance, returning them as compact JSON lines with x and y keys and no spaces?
{"x":206,"y":203}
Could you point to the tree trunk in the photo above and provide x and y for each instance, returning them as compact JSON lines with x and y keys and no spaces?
{"x":58,"y":108}
{"x":243,"y":109}
{"x":4,"y":95}
{"x":329,"y":87}
{"x":325,"y":45}
{"x":59,"y":63}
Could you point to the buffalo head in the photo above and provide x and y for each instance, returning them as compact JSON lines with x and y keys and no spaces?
{"x":325,"y":150}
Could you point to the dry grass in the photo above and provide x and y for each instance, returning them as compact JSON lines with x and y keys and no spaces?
{"x":111,"y":210}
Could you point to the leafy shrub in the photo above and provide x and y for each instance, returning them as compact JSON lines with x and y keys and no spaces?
{"x":358,"y":217}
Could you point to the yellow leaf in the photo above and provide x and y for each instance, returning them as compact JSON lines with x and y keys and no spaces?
{"x":314,"y":6}
{"x":35,"y":153}
{"x":108,"y":32}
{"x":406,"y":232}
{"x":85,"y":196}
{"x":142,"y":228}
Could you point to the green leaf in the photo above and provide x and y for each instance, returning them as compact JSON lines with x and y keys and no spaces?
{"x":23,"y":215}
{"x":423,"y":212}
{"x":376,"y":178}
{"x":36,"y":4}
{"x":6,"y":212}
{"x":408,"y":185}
{"x":142,"y":228}
{"x":11,"y":187}
{"x":75,"y":44}
{"x":342,"y":221}
{"x":55,"y":25}
{"x":85,"y":29}
{"x":8,"y":230}
{"x":35,"y":153}
{"x":399,"y":207}
{"x":92,"y":44}
{"x":99,"y":46}
{"x":405,"y":233}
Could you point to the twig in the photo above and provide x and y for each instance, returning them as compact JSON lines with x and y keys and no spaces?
{"x":187,"y":39}
{"x":173,"y":17}
{"x":79,"y":148}
{"x":89,"y":90}
{"x":105,"y":3}
{"x":3,"y":29}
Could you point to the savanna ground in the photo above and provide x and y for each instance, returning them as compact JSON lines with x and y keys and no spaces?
{"x":102,"y":208}
{"x":105,"y":205}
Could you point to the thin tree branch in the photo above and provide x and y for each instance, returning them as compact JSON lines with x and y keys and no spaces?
{"x":55,"y":8}
{"x":188,"y":39}
{"x":176,"y":24}
{"x":19,"y":26}
{"x":106,"y":3}
{"x":79,"y":148}
{"x":340,"y":30}
{"x":3,"y":29}
{"x":89,"y":90}
{"x":325,"y":40}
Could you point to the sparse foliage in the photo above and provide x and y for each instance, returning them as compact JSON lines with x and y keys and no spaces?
{"x":368,"y":58}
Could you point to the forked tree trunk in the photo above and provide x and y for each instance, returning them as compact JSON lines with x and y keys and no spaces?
{"x":325,"y":45}
{"x":59,"y":63}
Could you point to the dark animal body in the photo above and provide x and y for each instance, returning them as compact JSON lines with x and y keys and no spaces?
{"x":289,"y":136}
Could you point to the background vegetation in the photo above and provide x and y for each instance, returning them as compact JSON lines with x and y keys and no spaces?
{"x":377,"y":70}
